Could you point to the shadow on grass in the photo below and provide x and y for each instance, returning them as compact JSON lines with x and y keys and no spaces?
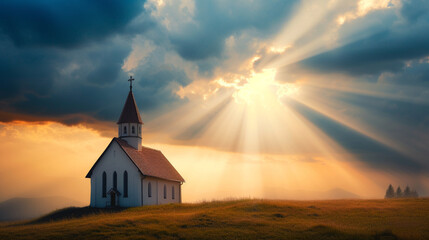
{"x":72,"y":213}
{"x":386,"y":235}
{"x":325,"y":232}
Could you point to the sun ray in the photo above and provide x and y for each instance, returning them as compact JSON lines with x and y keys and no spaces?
{"x":258,"y":140}
{"x":368,"y":124}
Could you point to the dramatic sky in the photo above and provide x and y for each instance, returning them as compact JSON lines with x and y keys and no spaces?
{"x":268,"y":99}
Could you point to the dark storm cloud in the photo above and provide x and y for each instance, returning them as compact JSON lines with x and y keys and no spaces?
{"x":25,"y":70}
{"x":415,"y":10}
{"x":216,"y":20}
{"x":401,"y":37}
{"x":54,"y":83}
{"x":63,"y":60}
{"x":88,"y":81}
{"x":416,"y":73}
{"x":64,"y":23}
{"x":158,"y":84}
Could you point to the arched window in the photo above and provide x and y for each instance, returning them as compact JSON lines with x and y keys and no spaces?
{"x":125,"y":184}
{"x":125,"y":129}
{"x":172,"y":192}
{"x":104,"y":184}
{"x":165,"y":191}
{"x":115,"y":180}
{"x":149,"y":190}
{"x":133,"y":129}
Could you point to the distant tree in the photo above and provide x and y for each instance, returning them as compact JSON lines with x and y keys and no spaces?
{"x":399,"y":192}
{"x":407,"y":192}
{"x":414,"y":194}
{"x":390,"y":192}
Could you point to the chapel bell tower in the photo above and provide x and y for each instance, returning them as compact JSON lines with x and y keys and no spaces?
{"x":130,"y":122}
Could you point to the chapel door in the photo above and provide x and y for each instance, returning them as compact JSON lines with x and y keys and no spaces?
{"x":113,"y":199}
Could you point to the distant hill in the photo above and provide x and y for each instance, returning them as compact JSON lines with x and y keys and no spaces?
{"x":27,"y":208}
{"x":339,"y":193}
{"x":331,"y":194}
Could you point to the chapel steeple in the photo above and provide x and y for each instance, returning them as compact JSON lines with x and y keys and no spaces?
{"x":130,"y":122}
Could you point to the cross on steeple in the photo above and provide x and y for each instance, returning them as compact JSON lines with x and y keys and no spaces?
{"x":131,"y":82}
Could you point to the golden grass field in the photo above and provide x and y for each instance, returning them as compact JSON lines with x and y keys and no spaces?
{"x":237,"y":219}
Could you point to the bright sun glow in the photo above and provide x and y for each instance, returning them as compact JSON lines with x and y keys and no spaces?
{"x":260,"y":89}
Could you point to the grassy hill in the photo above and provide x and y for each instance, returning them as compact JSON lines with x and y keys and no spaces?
{"x":239,"y":219}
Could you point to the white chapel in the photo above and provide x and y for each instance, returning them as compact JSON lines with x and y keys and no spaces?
{"x":128,"y":174}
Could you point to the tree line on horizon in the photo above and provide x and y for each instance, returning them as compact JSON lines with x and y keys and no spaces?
{"x":407,"y":193}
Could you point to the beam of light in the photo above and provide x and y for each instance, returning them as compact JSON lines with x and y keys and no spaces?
{"x":212,"y":174}
{"x":316,"y":28}
{"x":309,"y":15}
{"x":301,"y":23}
{"x":390,"y":91}
{"x":368,"y":123}
{"x":255,"y":135}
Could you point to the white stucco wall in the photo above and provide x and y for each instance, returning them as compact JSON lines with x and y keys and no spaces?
{"x":114,"y":159}
{"x":158,"y":191}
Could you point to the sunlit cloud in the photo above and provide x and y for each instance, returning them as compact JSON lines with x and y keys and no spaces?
{"x":366,"y":6}
{"x":141,"y":50}
{"x":256,"y":89}
{"x":279,"y":50}
{"x":172,"y":14}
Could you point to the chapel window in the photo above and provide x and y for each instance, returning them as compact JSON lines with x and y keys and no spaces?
{"x":104,"y":184}
{"x":125,"y":184}
{"x":115,"y":180}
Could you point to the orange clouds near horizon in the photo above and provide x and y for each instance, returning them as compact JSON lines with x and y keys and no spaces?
{"x":47,"y":159}
{"x":40,"y":159}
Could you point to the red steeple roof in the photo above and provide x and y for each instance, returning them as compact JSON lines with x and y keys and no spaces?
{"x":130,"y":112}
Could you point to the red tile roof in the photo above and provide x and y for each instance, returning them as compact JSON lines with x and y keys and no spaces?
{"x":130,"y":112}
{"x":150,"y":162}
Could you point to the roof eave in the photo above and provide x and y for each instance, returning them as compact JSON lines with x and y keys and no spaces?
{"x":172,"y":180}
{"x":88,"y":175}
